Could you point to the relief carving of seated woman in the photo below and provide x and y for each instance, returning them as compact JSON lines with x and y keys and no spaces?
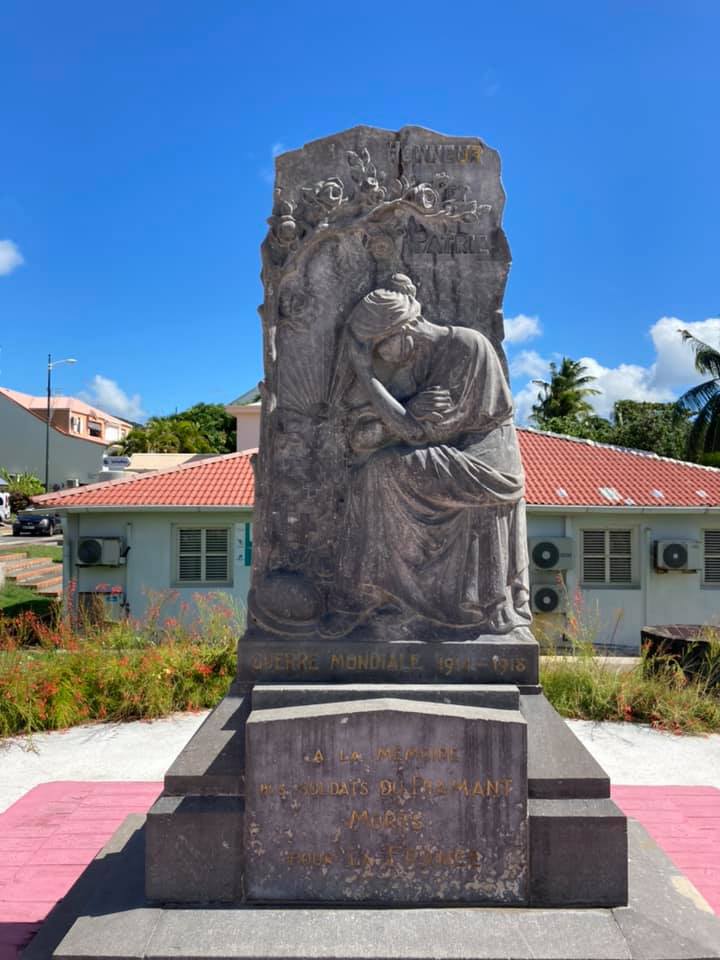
{"x":435,"y":525}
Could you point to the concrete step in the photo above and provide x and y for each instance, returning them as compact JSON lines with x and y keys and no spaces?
{"x":32,"y":573}
{"x":26,"y":563}
{"x":42,"y":580}
{"x":52,"y":591}
{"x":10,"y":555}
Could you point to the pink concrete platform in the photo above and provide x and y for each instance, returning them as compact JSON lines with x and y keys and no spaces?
{"x":50,"y":835}
{"x":47,"y":838}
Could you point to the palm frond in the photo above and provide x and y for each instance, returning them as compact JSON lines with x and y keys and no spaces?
{"x":707,"y":358}
{"x":698,"y":397}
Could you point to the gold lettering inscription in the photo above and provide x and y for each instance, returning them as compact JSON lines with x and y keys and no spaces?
{"x":317,"y":757}
{"x":435,"y":152}
{"x":369,"y":662}
{"x":402,"y":820}
{"x":309,"y":859}
{"x":425,"y":788}
{"x":398,"y":754}
{"x":282,"y":662}
{"x":354,"y":757}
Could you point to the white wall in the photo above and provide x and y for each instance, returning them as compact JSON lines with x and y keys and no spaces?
{"x":659,"y":598}
{"x":22,"y":448}
{"x":149,"y":566}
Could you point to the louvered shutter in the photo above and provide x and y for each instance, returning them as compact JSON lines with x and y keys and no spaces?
{"x":620,"y":556}
{"x":190,"y":555}
{"x":593,"y":556}
{"x":607,"y":557}
{"x":216,"y":555}
{"x":712,"y":556}
{"x":203,"y":555}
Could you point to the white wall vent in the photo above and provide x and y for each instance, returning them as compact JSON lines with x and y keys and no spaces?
{"x":677,"y":555}
{"x":100,"y":551}
{"x":551,"y":553}
{"x":548,"y":599}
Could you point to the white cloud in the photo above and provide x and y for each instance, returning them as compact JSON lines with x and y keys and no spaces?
{"x":106,"y":394}
{"x":10,"y":257}
{"x":529,"y":363}
{"x":663,"y":380}
{"x":627,"y":381}
{"x":675,"y":364}
{"x":521,"y":328}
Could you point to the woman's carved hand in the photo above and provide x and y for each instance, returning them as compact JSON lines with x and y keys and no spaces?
{"x":431,"y":405}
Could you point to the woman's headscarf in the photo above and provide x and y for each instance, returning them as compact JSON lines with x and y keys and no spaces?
{"x":381,"y":311}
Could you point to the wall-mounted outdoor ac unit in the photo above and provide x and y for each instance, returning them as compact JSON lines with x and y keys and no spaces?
{"x":677,"y":555}
{"x":547,"y":598}
{"x":100,"y":551}
{"x":551,"y":553}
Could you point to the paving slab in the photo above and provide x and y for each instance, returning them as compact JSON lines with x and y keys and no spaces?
{"x":666,"y":919}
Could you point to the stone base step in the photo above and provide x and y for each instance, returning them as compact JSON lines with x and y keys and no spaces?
{"x":27,"y":563}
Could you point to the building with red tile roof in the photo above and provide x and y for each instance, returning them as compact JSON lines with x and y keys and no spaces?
{"x":634,"y":536}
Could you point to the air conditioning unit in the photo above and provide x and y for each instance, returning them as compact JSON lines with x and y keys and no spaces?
{"x":100,"y":551}
{"x":677,"y":555}
{"x":547,"y":598}
{"x":552,"y":553}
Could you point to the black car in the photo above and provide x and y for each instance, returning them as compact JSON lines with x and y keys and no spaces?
{"x":37,"y":524}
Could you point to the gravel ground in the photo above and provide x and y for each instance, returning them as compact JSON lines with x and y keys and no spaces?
{"x":142,"y":750}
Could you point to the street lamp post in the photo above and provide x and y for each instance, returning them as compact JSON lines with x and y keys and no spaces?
{"x":51,"y":363}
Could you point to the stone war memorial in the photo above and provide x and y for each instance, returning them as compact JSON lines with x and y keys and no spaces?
{"x":385,"y":778}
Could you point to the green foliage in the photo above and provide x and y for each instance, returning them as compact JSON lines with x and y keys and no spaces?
{"x":565,"y":395}
{"x":203,"y":428}
{"x":59,"y":672}
{"x":702,"y":402}
{"x":21,"y":487}
{"x":660,"y":428}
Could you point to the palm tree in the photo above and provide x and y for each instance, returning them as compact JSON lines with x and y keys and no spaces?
{"x":565,"y":394}
{"x":703,"y":401}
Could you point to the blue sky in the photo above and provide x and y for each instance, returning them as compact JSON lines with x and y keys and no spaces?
{"x":136,"y":164}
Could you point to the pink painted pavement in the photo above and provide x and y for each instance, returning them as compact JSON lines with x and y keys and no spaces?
{"x":50,"y":835}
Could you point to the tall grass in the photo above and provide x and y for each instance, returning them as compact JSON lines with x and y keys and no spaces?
{"x":669,"y":693}
{"x":64,"y":670}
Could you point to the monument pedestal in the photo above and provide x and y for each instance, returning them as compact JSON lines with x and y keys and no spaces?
{"x":575,"y":843}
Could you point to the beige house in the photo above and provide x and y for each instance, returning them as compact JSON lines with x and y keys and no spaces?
{"x":246,"y":410}
{"x":79,"y":435}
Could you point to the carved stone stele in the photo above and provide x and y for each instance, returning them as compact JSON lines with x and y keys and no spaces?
{"x":389,"y":485}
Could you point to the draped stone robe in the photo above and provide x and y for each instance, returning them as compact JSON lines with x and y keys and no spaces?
{"x":439,"y":527}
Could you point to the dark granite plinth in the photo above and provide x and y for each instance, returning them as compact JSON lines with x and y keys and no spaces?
{"x":512,"y":658}
{"x":497,"y":696}
{"x":105,"y":917}
{"x":578,"y":853}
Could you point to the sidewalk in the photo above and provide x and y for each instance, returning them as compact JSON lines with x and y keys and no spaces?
{"x":65,"y":797}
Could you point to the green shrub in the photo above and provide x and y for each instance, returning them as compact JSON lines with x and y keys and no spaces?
{"x":64,"y":672}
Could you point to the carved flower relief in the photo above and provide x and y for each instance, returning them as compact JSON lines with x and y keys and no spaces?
{"x":423,"y":196}
{"x":322,"y":199}
{"x":330,"y":193}
{"x":283,"y":223}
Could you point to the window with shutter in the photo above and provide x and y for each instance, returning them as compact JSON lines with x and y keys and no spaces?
{"x":712,"y":557}
{"x":607,"y":557}
{"x":203,"y":555}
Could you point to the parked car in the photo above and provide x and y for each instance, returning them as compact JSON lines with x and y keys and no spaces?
{"x":37,"y":524}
